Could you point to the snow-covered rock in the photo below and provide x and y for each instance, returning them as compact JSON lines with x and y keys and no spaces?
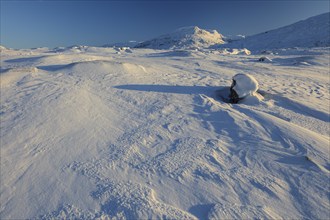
{"x":184,"y":38}
{"x":244,"y":85}
{"x":123,"y":49}
{"x":243,"y":51}
{"x":312,"y":32}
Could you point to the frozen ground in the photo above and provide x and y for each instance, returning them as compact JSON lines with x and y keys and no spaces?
{"x":91,"y":132}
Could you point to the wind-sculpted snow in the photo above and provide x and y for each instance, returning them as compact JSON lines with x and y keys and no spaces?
{"x":87,"y":133}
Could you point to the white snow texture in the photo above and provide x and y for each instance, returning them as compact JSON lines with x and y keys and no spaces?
{"x":127,"y":133}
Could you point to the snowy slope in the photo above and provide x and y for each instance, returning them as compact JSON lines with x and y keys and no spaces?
{"x":87,"y":133}
{"x":312,"y":32}
{"x":184,"y":38}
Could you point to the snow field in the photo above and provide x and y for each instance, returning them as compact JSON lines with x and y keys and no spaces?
{"x":88,"y":133}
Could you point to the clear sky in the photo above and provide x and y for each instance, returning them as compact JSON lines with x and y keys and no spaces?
{"x":51,"y":23}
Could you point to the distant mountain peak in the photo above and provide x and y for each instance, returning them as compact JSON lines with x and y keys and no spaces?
{"x":184,"y":38}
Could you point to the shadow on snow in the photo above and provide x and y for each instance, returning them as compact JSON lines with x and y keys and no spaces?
{"x":176,"y":89}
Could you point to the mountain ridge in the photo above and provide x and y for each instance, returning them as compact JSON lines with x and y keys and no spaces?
{"x":311,"y":32}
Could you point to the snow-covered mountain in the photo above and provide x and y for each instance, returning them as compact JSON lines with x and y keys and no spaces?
{"x":312,"y":32}
{"x":184,"y":38}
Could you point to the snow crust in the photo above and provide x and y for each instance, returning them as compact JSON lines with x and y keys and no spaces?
{"x":126,"y":133}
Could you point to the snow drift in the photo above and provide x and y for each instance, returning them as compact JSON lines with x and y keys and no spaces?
{"x":89,"y":133}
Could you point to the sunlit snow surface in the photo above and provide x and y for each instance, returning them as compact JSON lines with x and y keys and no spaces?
{"x":89,"y":133}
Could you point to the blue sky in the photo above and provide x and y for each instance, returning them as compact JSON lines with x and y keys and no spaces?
{"x":51,"y":23}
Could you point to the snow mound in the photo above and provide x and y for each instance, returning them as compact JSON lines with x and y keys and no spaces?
{"x":312,"y":32}
{"x":245,"y":85}
{"x":96,"y":67}
{"x":13,"y":76}
{"x":184,"y":38}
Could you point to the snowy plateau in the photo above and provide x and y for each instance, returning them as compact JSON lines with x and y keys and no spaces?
{"x":143,"y":133}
